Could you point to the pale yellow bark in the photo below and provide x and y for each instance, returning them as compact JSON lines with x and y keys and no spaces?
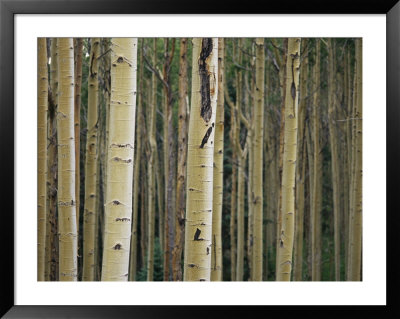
{"x":258,"y":161}
{"x":42,"y":89}
{"x":66,"y":162}
{"x":216,"y":257}
{"x":300,"y":172}
{"x":334,"y":154}
{"x":289,"y":161}
{"x":356,"y":224}
{"x":90,"y":211}
{"x":198,"y":227}
{"x":118,"y":203}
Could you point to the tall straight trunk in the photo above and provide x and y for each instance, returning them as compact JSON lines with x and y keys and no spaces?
{"x":258,"y":161}
{"x":240,"y":216}
{"x":90,"y":211}
{"x":316,"y":198}
{"x":282,"y":77}
{"x":136,"y":176}
{"x":42,"y":91}
{"x":68,"y":242}
{"x":334,"y":154}
{"x":232,"y":224}
{"x":77,"y":123}
{"x":300,"y":172}
{"x":348,"y":106}
{"x":52,"y":171}
{"x":216,"y":250}
{"x":289,"y":161}
{"x":151,"y":175}
{"x":169,"y":160}
{"x":199,"y":196}
{"x":118,"y":203}
{"x":143,"y":218}
{"x":356,"y":218}
{"x":182,"y":155}
{"x":310,"y":215}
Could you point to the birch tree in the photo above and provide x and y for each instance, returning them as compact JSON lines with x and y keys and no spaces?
{"x":68,"y":241}
{"x":289,"y":161}
{"x":198,"y":226}
{"x":118,"y":203}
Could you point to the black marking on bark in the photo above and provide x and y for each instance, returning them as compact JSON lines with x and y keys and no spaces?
{"x":208,"y":250}
{"x":206,"y":137}
{"x":122,"y":145}
{"x":213,"y":125}
{"x":116,"y":202}
{"x":119,"y":159}
{"x":202,"y":279}
{"x":123,"y":219}
{"x":281,"y":243}
{"x":206,"y":49}
{"x":92,"y":195}
{"x":197,"y":235}
{"x":117,"y":247}
{"x":191,"y":265}
{"x":120,"y":59}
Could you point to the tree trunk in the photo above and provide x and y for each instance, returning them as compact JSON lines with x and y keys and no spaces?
{"x":216,"y":257}
{"x":289,"y":161}
{"x":66,"y":162}
{"x":356,"y":223}
{"x":182,"y":155}
{"x":52,"y":171}
{"x":300,"y":171}
{"x":198,"y":227}
{"x":77,"y":124}
{"x":90,"y":211}
{"x":169,"y":161}
{"x":316,"y":199}
{"x":42,"y":91}
{"x":332,"y":114}
{"x":118,"y":202}
{"x":282,"y":77}
{"x":258,"y":161}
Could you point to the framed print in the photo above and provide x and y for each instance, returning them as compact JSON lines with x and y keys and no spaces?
{"x":162,"y":142}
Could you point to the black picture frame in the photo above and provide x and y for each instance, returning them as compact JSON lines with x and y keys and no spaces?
{"x":9,"y":8}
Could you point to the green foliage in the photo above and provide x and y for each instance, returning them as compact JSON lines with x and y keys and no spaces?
{"x":158,"y":265}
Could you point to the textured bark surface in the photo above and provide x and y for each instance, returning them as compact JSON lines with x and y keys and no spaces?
{"x":52,"y":171}
{"x":177,"y":274}
{"x":317,"y":173}
{"x":90,"y":213}
{"x":216,"y":251}
{"x":198,"y":227}
{"x":356,"y":218}
{"x":118,"y":203}
{"x":258,"y":161}
{"x":136,"y":176}
{"x":77,"y":121}
{"x":289,"y":161}
{"x":68,"y":241}
{"x":42,"y":91}
{"x":300,"y":170}
{"x":332,"y":117}
{"x":169,"y":160}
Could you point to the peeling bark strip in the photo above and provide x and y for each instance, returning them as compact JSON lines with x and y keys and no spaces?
{"x":206,"y":137}
{"x":205,"y":109}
